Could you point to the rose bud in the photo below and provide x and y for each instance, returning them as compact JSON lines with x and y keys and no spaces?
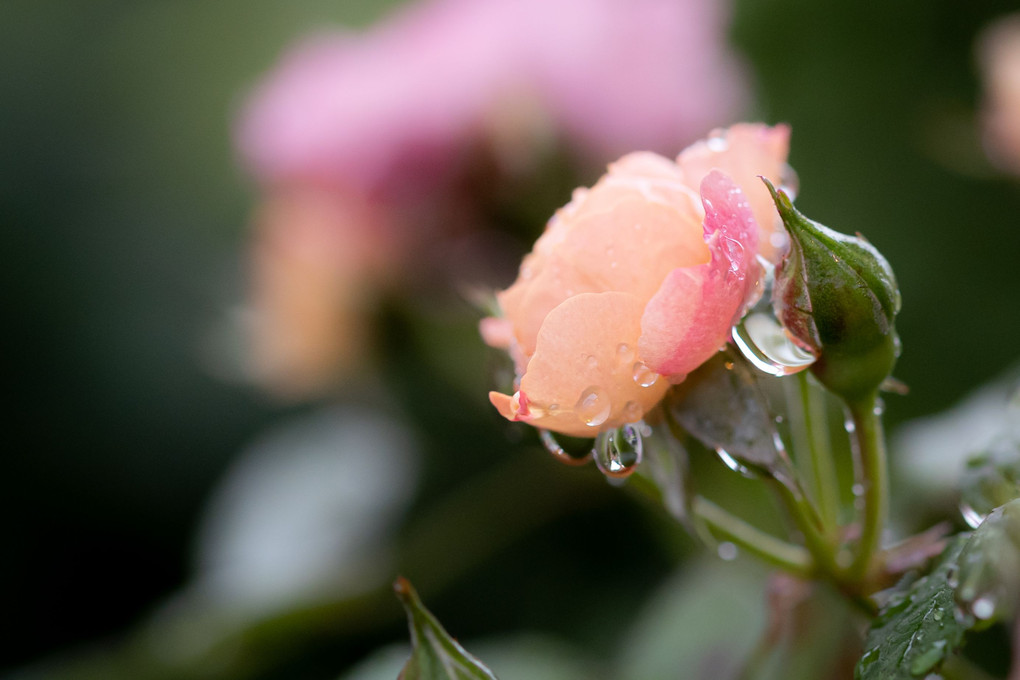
{"x":837,"y":298}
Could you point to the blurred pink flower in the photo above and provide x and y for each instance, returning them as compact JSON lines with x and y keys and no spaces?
{"x":397,"y":120}
{"x":999,"y":56}
{"x":394,"y":109}
{"x":636,"y":282}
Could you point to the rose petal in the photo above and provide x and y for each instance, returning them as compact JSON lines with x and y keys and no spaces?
{"x":744,"y":152}
{"x":581,"y":378}
{"x":691,"y":315}
{"x":626,"y":234}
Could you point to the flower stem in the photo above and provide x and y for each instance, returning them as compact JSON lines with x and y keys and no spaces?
{"x":871,"y":447}
{"x":806,"y":519}
{"x":823,"y":472}
{"x":779,"y":553}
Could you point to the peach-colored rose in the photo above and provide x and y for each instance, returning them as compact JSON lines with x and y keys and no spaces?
{"x":637,"y":282}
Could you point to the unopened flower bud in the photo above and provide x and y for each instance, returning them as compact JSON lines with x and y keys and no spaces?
{"x":837,"y":297}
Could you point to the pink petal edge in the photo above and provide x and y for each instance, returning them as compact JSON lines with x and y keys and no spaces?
{"x":691,"y":315}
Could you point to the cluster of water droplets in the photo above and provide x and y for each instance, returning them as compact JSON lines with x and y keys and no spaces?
{"x":617,"y":452}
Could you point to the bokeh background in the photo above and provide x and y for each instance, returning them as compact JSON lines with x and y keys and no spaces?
{"x":125,"y":239}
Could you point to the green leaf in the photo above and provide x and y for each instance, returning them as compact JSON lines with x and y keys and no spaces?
{"x":992,"y":477}
{"x":989,"y":567}
{"x":917,"y":628}
{"x":976,"y":582}
{"x":434,"y":655}
{"x":721,"y":405}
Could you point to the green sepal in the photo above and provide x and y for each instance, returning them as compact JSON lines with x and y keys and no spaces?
{"x":434,"y":654}
{"x":837,"y":297}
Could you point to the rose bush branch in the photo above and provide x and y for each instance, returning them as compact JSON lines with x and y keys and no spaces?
{"x":639,"y":281}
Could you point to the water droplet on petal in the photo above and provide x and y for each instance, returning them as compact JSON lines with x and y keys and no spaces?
{"x":632,"y":411}
{"x":717,"y":142}
{"x":592,"y":361}
{"x":593,"y":406}
{"x":727,"y":551}
{"x":779,"y":240}
{"x":643,"y":375}
{"x":762,"y":341}
{"x":618,"y":452}
{"x":972,"y":517}
{"x":624,"y":353}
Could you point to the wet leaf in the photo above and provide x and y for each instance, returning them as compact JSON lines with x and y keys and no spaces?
{"x":434,"y":655}
{"x":916,"y":628}
{"x":989,"y":568}
{"x":722,"y":405}
{"x":992,"y":478}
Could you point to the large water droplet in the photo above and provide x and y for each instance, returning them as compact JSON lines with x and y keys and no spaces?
{"x":972,"y":517}
{"x":618,"y":452}
{"x":643,"y":375}
{"x":761,"y":340}
{"x":558,"y":452}
{"x":593,"y":406}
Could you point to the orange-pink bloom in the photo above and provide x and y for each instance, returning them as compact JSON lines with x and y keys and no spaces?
{"x":638,"y":281}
